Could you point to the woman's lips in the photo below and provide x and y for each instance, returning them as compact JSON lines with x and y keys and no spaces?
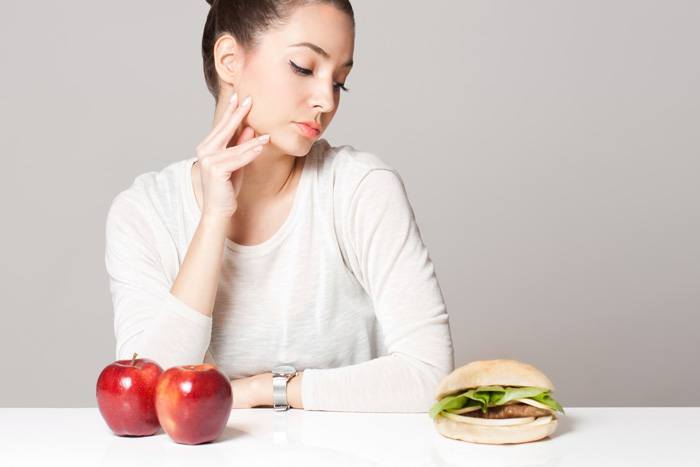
{"x":307,"y":131}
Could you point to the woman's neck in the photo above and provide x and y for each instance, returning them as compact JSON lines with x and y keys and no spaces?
{"x":269,"y":178}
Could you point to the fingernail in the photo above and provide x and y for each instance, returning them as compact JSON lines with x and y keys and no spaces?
{"x":246,"y":101}
{"x":264,"y":138}
{"x":233,"y":98}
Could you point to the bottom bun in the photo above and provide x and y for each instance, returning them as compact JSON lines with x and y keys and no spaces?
{"x":493,"y":434}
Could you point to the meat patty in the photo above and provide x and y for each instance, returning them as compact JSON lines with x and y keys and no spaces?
{"x":509,"y":411}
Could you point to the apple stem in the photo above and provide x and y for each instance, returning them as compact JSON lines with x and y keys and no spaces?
{"x":133,"y":360}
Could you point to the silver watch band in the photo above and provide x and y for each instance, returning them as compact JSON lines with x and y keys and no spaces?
{"x":280,"y":379}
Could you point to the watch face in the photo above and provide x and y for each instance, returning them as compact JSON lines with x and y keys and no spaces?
{"x":284,"y":370}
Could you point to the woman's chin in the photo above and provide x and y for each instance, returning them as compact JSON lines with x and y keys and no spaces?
{"x":295,"y":146}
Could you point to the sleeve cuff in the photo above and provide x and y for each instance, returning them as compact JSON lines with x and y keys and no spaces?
{"x":308,"y":396}
{"x":188,"y":312}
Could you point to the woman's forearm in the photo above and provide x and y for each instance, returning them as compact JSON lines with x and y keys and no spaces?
{"x":198,"y":279}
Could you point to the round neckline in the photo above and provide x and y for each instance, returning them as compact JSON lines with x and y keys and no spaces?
{"x":282,"y":231}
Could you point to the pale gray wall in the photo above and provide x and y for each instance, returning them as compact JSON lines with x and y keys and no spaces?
{"x":549,"y":148}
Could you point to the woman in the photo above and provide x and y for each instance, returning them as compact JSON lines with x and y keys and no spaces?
{"x":257,"y":252}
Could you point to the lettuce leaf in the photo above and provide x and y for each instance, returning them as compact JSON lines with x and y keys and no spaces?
{"x":492,"y":396}
{"x":547,"y":400}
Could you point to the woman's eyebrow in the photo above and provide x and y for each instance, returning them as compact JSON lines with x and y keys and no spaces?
{"x":320,"y":51}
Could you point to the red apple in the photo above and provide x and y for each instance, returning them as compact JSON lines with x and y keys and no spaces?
{"x":193,"y":402}
{"x":126,"y":392}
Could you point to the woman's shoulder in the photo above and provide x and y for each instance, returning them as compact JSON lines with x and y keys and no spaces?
{"x":348,"y":157}
{"x":155,"y":192}
{"x":347,"y":165}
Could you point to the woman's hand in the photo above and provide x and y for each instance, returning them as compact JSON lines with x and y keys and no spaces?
{"x":219,"y":165}
{"x":253,"y":391}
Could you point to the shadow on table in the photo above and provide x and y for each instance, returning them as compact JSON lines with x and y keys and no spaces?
{"x":229,"y":434}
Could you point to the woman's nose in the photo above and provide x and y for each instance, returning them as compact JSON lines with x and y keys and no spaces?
{"x":324,"y":97}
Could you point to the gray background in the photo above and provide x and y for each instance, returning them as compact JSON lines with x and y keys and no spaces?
{"x":549,"y":149}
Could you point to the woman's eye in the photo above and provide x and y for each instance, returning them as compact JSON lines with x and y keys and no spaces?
{"x":303,"y":71}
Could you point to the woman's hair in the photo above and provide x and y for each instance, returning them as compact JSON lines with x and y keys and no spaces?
{"x":246,"y":20}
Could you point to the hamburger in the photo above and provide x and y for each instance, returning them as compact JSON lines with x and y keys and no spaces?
{"x":495,"y":402}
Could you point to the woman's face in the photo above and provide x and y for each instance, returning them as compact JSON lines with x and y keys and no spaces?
{"x":283,"y":94}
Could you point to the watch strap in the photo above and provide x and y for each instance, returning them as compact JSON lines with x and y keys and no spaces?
{"x":279,"y":391}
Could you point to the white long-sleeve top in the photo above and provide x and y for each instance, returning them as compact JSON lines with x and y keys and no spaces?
{"x":345,"y":290}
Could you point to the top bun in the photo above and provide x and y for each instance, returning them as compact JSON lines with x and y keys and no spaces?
{"x":500,"y":372}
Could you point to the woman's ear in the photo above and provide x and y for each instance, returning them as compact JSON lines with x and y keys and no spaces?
{"x":228,"y":59}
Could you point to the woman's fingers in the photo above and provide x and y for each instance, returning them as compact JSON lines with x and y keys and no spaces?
{"x":237,"y":175}
{"x":237,"y":156}
{"x":230,"y":108}
{"x":227,"y":168}
{"x":229,"y":123}
{"x":242,"y":153}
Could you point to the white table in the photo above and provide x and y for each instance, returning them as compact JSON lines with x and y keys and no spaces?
{"x":585,"y":436}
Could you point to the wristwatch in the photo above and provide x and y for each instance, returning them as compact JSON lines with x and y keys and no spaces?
{"x":281,"y":374}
